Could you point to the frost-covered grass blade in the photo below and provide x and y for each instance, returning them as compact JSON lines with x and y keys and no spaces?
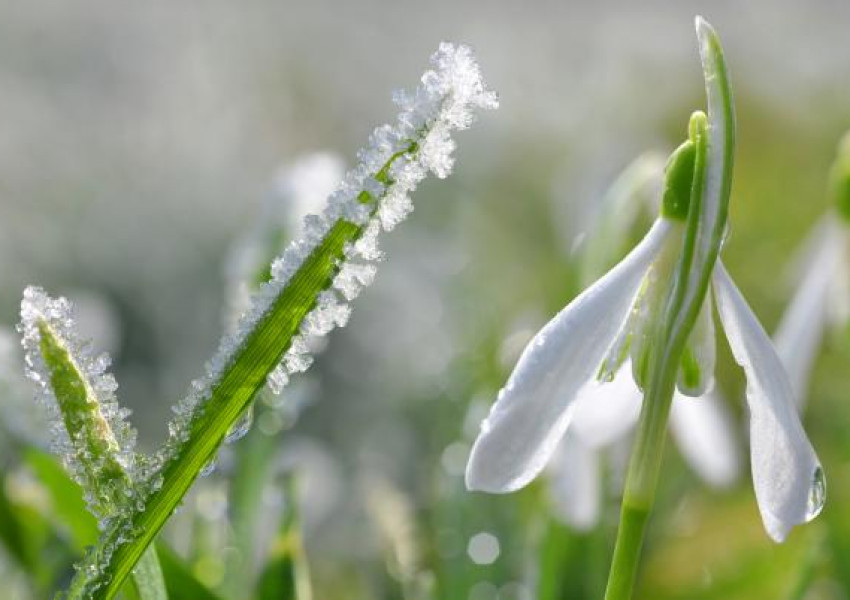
{"x":307,"y":295}
{"x":91,"y":435}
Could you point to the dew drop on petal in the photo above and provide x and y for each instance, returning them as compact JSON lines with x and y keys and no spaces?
{"x":817,"y":495}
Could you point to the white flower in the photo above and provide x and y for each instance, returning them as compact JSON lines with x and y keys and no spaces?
{"x":822,"y":301}
{"x":822,"y":279}
{"x":591,"y":336}
{"x":604,"y":415}
{"x":606,"y":412}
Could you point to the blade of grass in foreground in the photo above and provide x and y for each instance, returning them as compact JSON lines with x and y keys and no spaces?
{"x":307,"y":296}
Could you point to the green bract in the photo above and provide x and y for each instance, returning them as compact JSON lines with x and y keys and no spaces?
{"x":678,"y":180}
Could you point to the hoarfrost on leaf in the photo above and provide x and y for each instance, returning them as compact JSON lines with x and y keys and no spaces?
{"x":91,"y":435}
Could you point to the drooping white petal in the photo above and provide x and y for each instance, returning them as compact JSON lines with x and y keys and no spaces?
{"x":696,"y":369}
{"x":574,"y":484}
{"x":787,"y":475}
{"x":799,"y":333}
{"x":531,"y":413}
{"x":705,"y":434}
{"x":605,"y":411}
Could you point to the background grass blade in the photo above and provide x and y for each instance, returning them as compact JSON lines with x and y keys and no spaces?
{"x":286,"y":575}
{"x":179,"y":580}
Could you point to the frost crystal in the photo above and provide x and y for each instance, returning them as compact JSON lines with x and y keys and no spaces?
{"x":88,"y":426}
{"x":20,"y":417}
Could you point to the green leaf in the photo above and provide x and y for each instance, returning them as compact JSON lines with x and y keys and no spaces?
{"x":66,"y":497}
{"x":286,"y":575}
{"x":14,"y":533}
{"x":95,"y":450}
{"x":31,"y":543}
{"x":254,"y":459}
{"x":179,"y":580}
{"x":148,"y":581}
{"x":571,"y":565}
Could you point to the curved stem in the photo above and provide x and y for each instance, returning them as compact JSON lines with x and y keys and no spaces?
{"x":641,"y":481}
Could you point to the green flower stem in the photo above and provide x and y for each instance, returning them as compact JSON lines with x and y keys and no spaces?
{"x":707,"y":211}
{"x":640,"y":488}
{"x":671,"y":336}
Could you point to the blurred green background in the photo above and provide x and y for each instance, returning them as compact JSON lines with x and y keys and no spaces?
{"x":138,"y":140}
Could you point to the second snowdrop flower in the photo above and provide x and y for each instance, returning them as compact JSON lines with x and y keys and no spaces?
{"x":822,"y":297}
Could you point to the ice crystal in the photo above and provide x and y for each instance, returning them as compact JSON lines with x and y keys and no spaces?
{"x":20,"y":417}
{"x":89,"y":428}
{"x":353,"y":277}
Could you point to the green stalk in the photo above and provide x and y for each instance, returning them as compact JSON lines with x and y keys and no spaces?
{"x":706,"y":223}
{"x":648,"y":452}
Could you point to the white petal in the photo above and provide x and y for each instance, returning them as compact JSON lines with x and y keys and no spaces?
{"x":705,"y":434}
{"x":531,"y":413}
{"x":574,"y":484}
{"x":605,"y":411}
{"x":787,"y":476}
{"x":799,"y":333}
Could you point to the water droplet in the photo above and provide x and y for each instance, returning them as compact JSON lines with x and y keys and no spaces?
{"x":209,"y":467}
{"x":817,"y":495}
{"x":726,"y":232}
{"x":241,"y":426}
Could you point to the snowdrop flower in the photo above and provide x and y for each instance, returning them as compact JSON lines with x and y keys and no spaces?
{"x":619,"y":317}
{"x":822,"y":299}
{"x":606,"y":413}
